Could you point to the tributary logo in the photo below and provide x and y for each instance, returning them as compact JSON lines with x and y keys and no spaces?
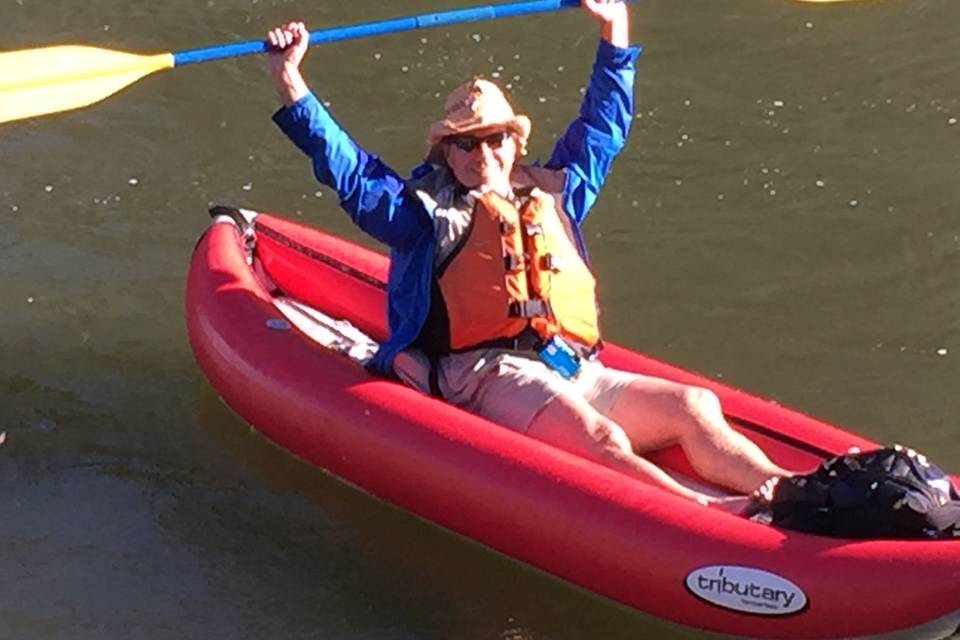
{"x":746,"y":589}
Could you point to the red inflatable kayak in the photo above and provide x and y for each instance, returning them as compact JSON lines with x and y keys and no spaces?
{"x":573,"y":518}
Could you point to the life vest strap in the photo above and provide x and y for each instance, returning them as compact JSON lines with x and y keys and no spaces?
{"x":528,"y":340}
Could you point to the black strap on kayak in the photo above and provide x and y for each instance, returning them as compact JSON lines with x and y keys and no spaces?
{"x":231,"y":212}
{"x":773,"y":434}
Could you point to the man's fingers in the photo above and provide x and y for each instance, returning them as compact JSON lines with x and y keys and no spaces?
{"x":286,"y":35}
{"x":276,"y":38}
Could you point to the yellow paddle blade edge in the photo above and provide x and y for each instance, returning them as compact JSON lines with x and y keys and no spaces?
{"x":36,"y":82}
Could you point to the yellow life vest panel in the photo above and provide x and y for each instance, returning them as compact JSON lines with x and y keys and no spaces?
{"x":517,"y":267}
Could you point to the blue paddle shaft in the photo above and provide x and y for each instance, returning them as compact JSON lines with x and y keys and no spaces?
{"x":381,"y":27}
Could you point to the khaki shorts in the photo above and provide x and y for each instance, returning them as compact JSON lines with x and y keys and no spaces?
{"x":511,"y":387}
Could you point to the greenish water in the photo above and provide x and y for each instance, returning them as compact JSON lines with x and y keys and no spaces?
{"x":785,"y":216}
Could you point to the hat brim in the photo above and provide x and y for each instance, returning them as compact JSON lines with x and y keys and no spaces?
{"x":519,"y":125}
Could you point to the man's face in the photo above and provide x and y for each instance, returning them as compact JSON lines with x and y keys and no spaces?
{"x":482,"y":158}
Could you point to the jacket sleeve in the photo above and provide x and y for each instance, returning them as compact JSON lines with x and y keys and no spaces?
{"x":591,"y":142}
{"x":370,"y":192}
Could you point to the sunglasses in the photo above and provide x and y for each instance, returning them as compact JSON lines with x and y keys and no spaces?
{"x":469,"y":143}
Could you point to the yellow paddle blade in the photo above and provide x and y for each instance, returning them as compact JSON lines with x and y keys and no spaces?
{"x":35,"y":82}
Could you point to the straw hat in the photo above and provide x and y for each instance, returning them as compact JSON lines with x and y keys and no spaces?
{"x":475,"y":105}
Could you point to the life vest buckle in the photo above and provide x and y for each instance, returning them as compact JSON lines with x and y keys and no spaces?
{"x":533,"y":308}
{"x":512,"y":263}
{"x":533,"y":229}
{"x":551,"y":262}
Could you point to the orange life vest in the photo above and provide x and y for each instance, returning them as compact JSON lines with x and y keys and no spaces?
{"x":517,"y":267}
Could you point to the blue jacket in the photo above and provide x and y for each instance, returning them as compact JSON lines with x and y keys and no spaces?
{"x":375,"y":197}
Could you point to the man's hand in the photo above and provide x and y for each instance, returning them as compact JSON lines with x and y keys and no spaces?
{"x":290,"y":42}
{"x":615,"y":17}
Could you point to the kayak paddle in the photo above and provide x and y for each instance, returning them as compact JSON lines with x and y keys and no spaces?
{"x":35,"y":82}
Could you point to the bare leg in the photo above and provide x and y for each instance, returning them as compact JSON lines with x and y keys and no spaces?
{"x":570,"y":423}
{"x":655,"y":413}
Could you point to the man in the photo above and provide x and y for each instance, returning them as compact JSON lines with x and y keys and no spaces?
{"x":491,"y":302}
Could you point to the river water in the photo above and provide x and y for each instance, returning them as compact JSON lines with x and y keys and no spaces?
{"x":785,"y":217}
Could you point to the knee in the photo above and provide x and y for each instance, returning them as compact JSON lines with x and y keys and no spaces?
{"x":698,"y":401}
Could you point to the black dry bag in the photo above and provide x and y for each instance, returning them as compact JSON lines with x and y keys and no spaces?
{"x":891,"y":493}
